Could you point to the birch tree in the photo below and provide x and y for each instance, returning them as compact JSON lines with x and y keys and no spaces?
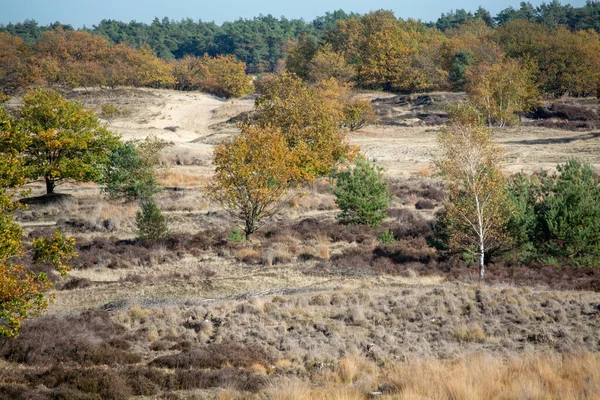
{"x":477,"y":209}
{"x":502,"y":90}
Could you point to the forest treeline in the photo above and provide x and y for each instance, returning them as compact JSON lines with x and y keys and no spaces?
{"x":556,"y":47}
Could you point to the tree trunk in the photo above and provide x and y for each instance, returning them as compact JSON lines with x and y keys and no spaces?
{"x":481,"y":261}
{"x":49,"y":185}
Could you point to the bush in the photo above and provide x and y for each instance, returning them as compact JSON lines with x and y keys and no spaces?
{"x":235,"y":236}
{"x":362,"y":194}
{"x":150,"y":222}
{"x":387,"y":237}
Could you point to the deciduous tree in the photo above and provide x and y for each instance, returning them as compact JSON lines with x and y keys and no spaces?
{"x":309,"y":120}
{"x":502,"y":90}
{"x":477,"y":209}
{"x":64,"y":140}
{"x":254,"y":174}
{"x":22,"y":292}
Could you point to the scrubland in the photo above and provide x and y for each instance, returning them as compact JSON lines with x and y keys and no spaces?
{"x":307,"y":309}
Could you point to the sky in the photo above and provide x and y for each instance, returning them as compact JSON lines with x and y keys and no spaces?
{"x":89,"y":12}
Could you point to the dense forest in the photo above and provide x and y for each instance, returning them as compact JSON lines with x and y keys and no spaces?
{"x":558,"y":47}
{"x":259,"y":41}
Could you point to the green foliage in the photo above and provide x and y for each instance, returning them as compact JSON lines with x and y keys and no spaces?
{"x":151,"y":224}
{"x":55,"y":250}
{"x":132,"y":170}
{"x":64,"y":140}
{"x":462,"y":60}
{"x":22,"y":292}
{"x":362,"y":194}
{"x":235,"y":236}
{"x":387,"y":237}
{"x":558,"y":217}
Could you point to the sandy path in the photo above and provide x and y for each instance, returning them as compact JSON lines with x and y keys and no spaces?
{"x":188,"y":113}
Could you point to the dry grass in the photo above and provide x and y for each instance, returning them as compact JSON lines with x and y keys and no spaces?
{"x":470,"y":333}
{"x":174,"y":178}
{"x":550,"y":376}
{"x":477,"y":377}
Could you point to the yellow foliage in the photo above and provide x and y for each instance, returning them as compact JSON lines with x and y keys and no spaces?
{"x":390,"y":53}
{"x":477,"y":209}
{"x":309,"y":119}
{"x":501,"y":90}
{"x":223,"y":75}
{"x":253,"y":174}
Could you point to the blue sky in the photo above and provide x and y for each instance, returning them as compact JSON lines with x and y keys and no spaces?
{"x":90,"y":12}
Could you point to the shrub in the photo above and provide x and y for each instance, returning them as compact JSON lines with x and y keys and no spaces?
{"x":362,"y":194}
{"x":216,"y":355}
{"x":387,"y":237}
{"x":424,"y":204}
{"x":235,"y":236}
{"x":150,"y":222}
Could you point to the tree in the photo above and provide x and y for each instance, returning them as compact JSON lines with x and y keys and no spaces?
{"x":254,"y":173}
{"x":477,"y":209}
{"x":299,"y":55}
{"x":150,"y":222}
{"x":64,"y":140}
{"x":502,"y":90}
{"x":362,"y":194}
{"x":328,"y":63}
{"x":309,"y":120}
{"x":559,"y":215}
{"x":389,"y":53}
{"x":355,"y":113}
{"x":22,"y":291}
{"x":222,"y":75}
{"x":132,"y":170}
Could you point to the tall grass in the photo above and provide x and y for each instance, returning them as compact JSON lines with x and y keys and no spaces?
{"x":477,"y":377}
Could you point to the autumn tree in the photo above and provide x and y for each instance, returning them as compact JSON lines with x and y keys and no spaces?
{"x":477,"y":209}
{"x":389,"y":53}
{"x":14,"y":63}
{"x":355,"y":113}
{"x":254,"y":173}
{"x":223,"y":76}
{"x":299,"y":55}
{"x":328,"y":63}
{"x":22,"y":292}
{"x":72,"y":58}
{"x":568,"y":62}
{"x":502,"y":90}
{"x":64,"y":140}
{"x":309,"y":120}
